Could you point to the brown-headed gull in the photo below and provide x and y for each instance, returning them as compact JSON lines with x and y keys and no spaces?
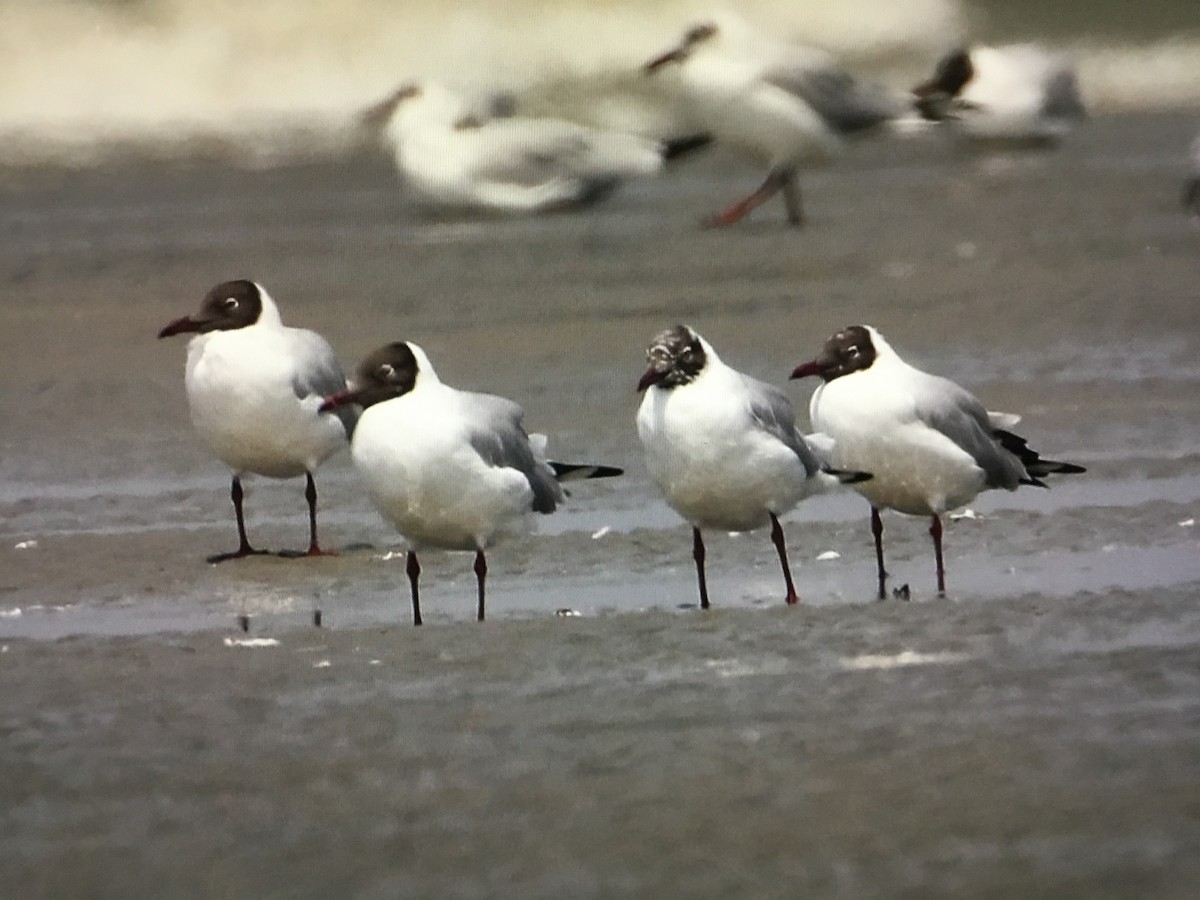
{"x":930,"y":444}
{"x":255,"y":388}
{"x":448,"y":468}
{"x":723,"y":447}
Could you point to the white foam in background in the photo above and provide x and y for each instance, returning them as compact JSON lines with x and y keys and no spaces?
{"x":273,"y":77}
{"x":76,"y":73}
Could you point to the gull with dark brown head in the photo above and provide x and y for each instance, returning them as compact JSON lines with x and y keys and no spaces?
{"x":931,"y":445}
{"x":255,"y":388}
{"x":724,"y":448}
{"x":449,"y":469}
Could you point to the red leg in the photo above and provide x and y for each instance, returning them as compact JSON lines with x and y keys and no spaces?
{"x":776,"y":180}
{"x":698,"y":556}
{"x":413,"y":568}
{"x":777,"y":539}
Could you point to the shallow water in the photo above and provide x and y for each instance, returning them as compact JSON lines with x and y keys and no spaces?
{"x":1035,"y":733}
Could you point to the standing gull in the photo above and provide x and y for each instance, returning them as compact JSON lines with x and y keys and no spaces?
{"x":783,"y":103}
{"x":724,"y":448}
{"x":455,"y":155}
{"x":930,"y":444}
{"x":448,"y":468}
{"x":254,"y":390}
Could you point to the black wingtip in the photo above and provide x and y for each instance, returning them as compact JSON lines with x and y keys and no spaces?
{"x":673,"y":148}
{"x":1062,"y":468}
{"x":580,"y":471}
{"x":847,"y":476}
{"x":1034,"y":465}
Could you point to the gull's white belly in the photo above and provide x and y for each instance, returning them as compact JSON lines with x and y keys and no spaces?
{"x":437,"y":492}
{"x":251,"y":418}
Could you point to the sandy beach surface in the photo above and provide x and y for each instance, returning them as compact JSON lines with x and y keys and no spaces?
{"x":1035,"y":733}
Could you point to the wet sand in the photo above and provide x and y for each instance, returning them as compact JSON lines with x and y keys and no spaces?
{"x":1037,"y":732}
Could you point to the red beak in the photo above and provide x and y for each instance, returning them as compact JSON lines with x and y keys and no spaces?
{"x":339,"y":398}
{"x":180,"y":326}
{"x":651,"y":378}
{"x":812,"y":367}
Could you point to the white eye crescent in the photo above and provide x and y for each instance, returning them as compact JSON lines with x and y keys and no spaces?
{"x":231,"y":303}
{"x":387,"y":370}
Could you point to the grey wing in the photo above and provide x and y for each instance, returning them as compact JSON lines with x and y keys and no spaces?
{"x":772,"y":412}
{"x":318,"y":373}
{"x":837,"y":97}
{"x":943,"y":405}
{"x":499,"y":437}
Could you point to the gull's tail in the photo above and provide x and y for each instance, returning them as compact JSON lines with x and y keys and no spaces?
{"x":1034,"y":465}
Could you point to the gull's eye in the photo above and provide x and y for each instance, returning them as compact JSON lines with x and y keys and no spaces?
{"x":230,"y":303}
{"x":852,"y":350}
{"x":386,"y":371}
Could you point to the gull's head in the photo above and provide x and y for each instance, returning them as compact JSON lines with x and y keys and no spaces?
{"x":853,"y":349}
{"x":696,"y":36}
{"x":384,"y":374}
{"x":950,"y":76}
{"x":228,"y":306}
{"x":676,"y":357}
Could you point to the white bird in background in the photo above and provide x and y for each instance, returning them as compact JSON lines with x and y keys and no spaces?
{"x":456,"y":156}
{"x":723,"y":447}
{"x":1019,"y":92}
{"x":254,"y":389}
{"x":930,"y":444}
{"x":1191,"y":187}
{"x":783,"y":103}
{"x":448,"y":468}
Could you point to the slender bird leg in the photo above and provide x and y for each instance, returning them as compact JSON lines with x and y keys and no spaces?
{"x":480,"y":575}
{"x":310,"y":494}
{"x":935,"y":531}
{"x":413,"y":568}
{"x":777,"y":180}
{"x":877,"y":531}
{"x":698,"y":556}
{"x":777,"y":539}
{"x":244,"y":548}
{"x":792,"y":202}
